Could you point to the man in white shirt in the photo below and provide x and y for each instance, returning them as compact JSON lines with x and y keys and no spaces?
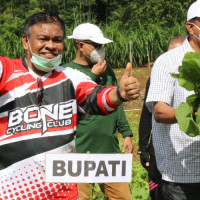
{"x":177,"y":154}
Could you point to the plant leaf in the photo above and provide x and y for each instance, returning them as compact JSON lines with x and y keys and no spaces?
{"x":198,"y":117}
{"x":192,"y":100}
{"x":186,"y":84}
{"x":189,"y":71}
{"x":184,"y":116}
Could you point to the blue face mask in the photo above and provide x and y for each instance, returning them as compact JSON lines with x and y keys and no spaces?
{"x":44,"y":64}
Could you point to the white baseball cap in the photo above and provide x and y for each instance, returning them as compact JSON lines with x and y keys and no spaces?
{"x":194,"y":10}
{"x":89,"y":31}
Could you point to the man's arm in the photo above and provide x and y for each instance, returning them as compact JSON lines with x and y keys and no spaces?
{"x":96,"y":99}
{"x":163,"y":113}
{"x":127,"y":144}
{"x":122,"y":124}
{"x":123,"y":127}
{"x":145,"y":128}
{"x":145,"y":124}
{"x":129,"y":88}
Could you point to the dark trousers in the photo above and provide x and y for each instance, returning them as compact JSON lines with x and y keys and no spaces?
{"x":181,"y":191}
{"x":155,"y":180}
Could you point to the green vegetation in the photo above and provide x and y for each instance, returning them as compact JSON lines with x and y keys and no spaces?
{"x":139,"y":184}
{"x":143,"y":43}
{"x":140,"y":29}
{"x":189,"y":78}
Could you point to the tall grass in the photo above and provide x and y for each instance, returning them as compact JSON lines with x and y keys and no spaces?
{"x":146,"y":45}
{"x":12,"y":47}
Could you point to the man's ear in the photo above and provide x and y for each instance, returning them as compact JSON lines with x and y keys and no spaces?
{"x":189,"y":27}
{"x":80,"y":45}
{"x":25,"y":42}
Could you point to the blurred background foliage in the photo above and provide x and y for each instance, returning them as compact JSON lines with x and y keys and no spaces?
{"x":141,"y":29}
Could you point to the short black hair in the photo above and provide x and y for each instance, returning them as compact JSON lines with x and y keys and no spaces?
{"x":43,"y":17}
{"x":193,"y":19}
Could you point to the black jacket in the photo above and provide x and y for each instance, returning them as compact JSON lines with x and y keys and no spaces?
{"x":145,"y":127}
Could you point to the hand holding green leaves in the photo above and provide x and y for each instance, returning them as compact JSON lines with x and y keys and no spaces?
{"x":189,"y":78}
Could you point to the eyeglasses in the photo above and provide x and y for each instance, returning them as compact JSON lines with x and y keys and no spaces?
{"x":93,"y":44}
{"x":40,"y":94}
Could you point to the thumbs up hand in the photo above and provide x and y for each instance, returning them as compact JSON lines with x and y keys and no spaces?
{"x":129,"y":87}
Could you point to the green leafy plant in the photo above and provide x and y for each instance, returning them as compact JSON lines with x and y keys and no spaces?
{"x":189,"y":78}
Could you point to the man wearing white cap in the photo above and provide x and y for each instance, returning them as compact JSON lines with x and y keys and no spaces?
{"x":177,"y":154}
{"x":98,"y":134}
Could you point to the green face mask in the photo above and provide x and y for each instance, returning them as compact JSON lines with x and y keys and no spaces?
{"x":44,"y":64}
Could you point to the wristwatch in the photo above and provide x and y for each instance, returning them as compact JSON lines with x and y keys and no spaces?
{"x":119,"y":95}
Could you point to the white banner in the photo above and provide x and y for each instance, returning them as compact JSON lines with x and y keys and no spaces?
{"x":88,"y":168}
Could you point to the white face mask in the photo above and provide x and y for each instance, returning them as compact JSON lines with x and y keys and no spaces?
{"x":44,"y":64}
{"x":96,"y":54}
{"x":198,"y":37}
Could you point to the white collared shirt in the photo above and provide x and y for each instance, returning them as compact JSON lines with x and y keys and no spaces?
{"x":177,"y":154}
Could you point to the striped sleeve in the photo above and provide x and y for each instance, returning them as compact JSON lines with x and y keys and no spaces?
{"x":94,"y":99}
{"x":91,"y":98}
